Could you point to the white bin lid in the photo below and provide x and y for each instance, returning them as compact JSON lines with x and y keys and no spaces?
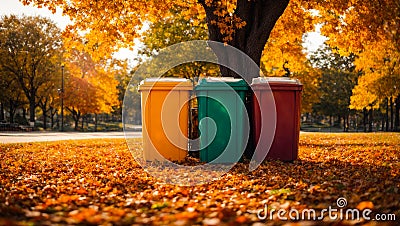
{"x":286,"y":80}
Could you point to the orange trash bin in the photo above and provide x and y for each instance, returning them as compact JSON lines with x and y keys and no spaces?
{"x":165,"y":115}
{"x":287,"y":96}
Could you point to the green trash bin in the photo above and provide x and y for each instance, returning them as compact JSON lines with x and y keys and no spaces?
{"x":221,"y":115}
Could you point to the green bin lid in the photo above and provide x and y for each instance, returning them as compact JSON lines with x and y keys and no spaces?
{"x":217,"y":83}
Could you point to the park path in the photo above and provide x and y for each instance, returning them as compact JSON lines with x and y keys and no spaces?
{"x":22,"y":137}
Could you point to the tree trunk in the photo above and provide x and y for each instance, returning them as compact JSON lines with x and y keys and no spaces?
{"x":370,"y":120}
{"x":387,"y":114}
{"x":12,"y":111}
{"x":365,"y":119}
{"x":44,"y":117}
{"x":58,"y":120}
{"x":24,"y":114}
{"x":397,"y":115}
{"x":344,"y":123}
{"x":32,"y":106}
{"x":2,"y":112}
{"x":76,"y":124}
{"x":338,"y":120}
{"x":43,"y":106}
{"x":51,"y":118}
{"x":260,"y":18}
{"x":391,"y":114}
{"x":76,"y":116}
{"x":95,"y":122}
{"x":82,"y":121}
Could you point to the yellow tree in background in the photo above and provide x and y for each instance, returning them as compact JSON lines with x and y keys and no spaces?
{"x":381,"y":79}
{"x":30,"y":52}
{"x":284,"y":52}
{"x":91,"y":87}
{"x":380,"y":84}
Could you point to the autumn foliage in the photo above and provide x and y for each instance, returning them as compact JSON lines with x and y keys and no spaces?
{"x":98,"y":182}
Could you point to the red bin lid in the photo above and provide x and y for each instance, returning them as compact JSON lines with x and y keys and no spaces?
{"x":274,"y":83}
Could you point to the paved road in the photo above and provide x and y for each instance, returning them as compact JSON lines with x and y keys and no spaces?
{"x":19,"y":137}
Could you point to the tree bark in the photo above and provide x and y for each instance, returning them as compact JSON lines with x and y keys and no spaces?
{"x":344,"y":123}
{"x":82,"y":121}
{"x":391,"y":114}
{"x":387,"y":114}
{"x":24,"y":113}
{"x":370,"y":120}
{"x":260,"y":18}
{"x":397,"y":115}
{"x":2,"y":112}
{"x":365,"y":119}
{"x":32,"y":106}
{"x":44,"y":117}
{"x":58,"y":120}
{"x":76,"y":123}
{"x":76,"y":115}
{"x":51,"y":118}
{"x":95,"y":122}
{"x":12,"y":111}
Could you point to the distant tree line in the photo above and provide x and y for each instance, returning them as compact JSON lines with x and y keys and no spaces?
{"x":35,"y":60}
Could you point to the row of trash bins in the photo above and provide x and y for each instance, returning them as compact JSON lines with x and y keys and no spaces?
{"x":224,"y":122}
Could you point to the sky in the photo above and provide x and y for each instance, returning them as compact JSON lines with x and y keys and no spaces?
{"x":7,"y":7}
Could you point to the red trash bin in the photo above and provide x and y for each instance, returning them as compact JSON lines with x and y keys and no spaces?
{"x":287,"y":96}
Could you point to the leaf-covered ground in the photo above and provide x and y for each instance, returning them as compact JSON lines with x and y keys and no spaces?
{"x":98,"y":182}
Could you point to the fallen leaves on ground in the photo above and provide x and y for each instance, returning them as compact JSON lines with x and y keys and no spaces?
{"x":95,"y":182}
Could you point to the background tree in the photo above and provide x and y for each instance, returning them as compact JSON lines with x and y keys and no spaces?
{"x":91,"y":86}
{"x":175,"y":29}
{"x":379,"y":84}
{"x":335,"y":84}
{"x":80,"y":98}
{"x":284,"y":54}
{"x":47,"y":97}
{"x":11,"y":97}
{"x":134,"y":108}
{"x":29,"y":46}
